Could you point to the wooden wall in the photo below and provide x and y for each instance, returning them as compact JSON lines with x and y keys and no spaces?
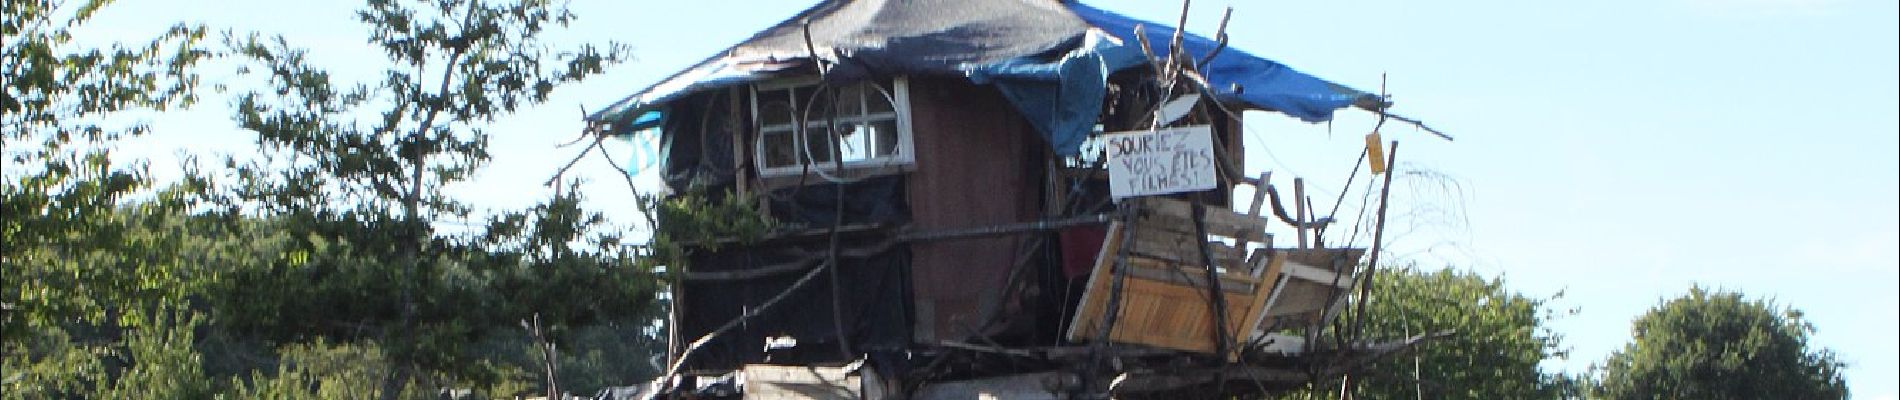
{"x":978,"y":163}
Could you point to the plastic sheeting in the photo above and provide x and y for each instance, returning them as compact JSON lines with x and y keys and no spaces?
{"x":1050,"y":59}
{"x":1062,"y":98}
{"x":873,"y":290}
{"x":1237,"y":76}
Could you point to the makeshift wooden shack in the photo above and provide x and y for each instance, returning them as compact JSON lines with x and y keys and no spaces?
{"x":937,"y":178}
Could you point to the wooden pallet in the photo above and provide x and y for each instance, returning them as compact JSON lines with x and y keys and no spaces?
{"x":1165,"y":299}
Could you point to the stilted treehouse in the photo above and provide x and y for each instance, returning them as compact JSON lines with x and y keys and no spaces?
{"x":949,"y":197}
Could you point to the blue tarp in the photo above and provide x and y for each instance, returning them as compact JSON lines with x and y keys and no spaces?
{"x":1063,"y":98}
{"x":1236,"y":75}
{"x":1006,"y":43}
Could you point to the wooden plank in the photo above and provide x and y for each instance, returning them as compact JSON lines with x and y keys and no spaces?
{"x":1299,"y":210}
{"x":1308,"y":293}
{"x":737,"y":118}
{"x":1299,"y":297}
{"x":1161,"y":271}
{"x":1182,"y":249}
{"x":1165,"y":303}
{"x":1168,"y":315}
{"x":1244,"y":236}
{"x":1219,"y":222}
{"x":1260,"y":315}
{"x":1237,"y":277}
{"x":1263,"y":290}
{"x":1172,"y":316}
{"x":1348,"y":257}
{"x":1036,"y":386}
{"x":1095,"y":297}
{"x":1217,"y":219}
{"x":1318,"y":275}
{"x":784,"y":382}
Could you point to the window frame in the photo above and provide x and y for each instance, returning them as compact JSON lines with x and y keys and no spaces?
{"x":903,"y":155}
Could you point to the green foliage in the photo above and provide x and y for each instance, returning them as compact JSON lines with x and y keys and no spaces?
{"x":316,"y":270}
{"x":694,"y":218}
{"x":1720,"y":345}
{"x":90,"y":302}
{"x":1498,"y":337}
{"x":44,"y":362}
{"x":360,"y":198}
{"x":697,"y":218}
{"x":322,"y":370}
{"x":57,"y":93}
{"x":163,"y":363}
{"x":155,"y":361}
{"x":611,"y":354}
{"x":592,"y":357}
{"x":64,"y":234}
{"x":334,"y":287}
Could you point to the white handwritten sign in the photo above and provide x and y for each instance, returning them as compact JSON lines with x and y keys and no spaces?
{"x":1168,"y":160}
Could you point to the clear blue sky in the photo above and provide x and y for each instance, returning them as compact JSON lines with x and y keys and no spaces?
{"x":1618,"y":151}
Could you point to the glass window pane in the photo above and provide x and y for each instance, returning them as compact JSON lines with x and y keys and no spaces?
{"x":780,"y":149}
{"x":878,"y":98}
{"x":884,"y":138}
{"x":775,"y":107}
{"x":818,"y":105}
{"x":856,"y":143}
{"x":818,"y":144}
{"x":797,"y":126}
{"x":851,"y":100}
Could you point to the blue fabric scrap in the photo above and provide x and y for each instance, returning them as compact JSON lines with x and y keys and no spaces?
{"x":1061,"y":98}
{"x":1236,"y":75}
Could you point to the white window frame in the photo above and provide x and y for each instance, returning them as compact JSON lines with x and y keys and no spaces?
{"x":903,"y":155}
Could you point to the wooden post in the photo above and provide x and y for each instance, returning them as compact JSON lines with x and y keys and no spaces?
{"x":1253,"y":210}
{"x":1217,"y":299}
{"x":1299,"y":210}
{"x":1378,"y":235}
{"x":736,"y":124}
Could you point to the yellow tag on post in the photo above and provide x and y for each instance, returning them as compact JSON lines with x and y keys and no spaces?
{"x":1375,"y":153}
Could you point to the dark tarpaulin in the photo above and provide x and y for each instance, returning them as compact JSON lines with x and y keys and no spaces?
{"x":883,"y":37}
{"x":903,"y":36}
{"x":696,"y":148}
{"x":875,"y":314}
{"x":878,"y":199}
{"x":1041,"y":52}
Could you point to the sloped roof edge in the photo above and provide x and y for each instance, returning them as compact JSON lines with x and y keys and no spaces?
{"x":955,"y":37}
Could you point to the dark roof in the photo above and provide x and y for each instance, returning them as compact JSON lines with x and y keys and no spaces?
{"x":953,"y":37}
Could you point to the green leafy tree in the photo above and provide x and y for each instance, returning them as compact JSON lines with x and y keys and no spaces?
{"x":355,"y":173}
{"x":1720,"y":345}
{"x":317,"y":271}
{"x":93,"y":278}
{"x":62,"y":193}
{"x":1496,"y":339}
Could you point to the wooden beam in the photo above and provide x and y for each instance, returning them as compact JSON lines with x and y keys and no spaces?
{"x":1317,"y":275}
{"x":1279,"y":287}
{"x":1261,"y":295}
{"x":1003,"y":229}
{"x":1184,"y":249}
{"x":1095,"y":296}
{"x":1180,"y":214}
{"x":1243,"y":236}
{"x":1161,"y":271}
{"x":1299,"y":210}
